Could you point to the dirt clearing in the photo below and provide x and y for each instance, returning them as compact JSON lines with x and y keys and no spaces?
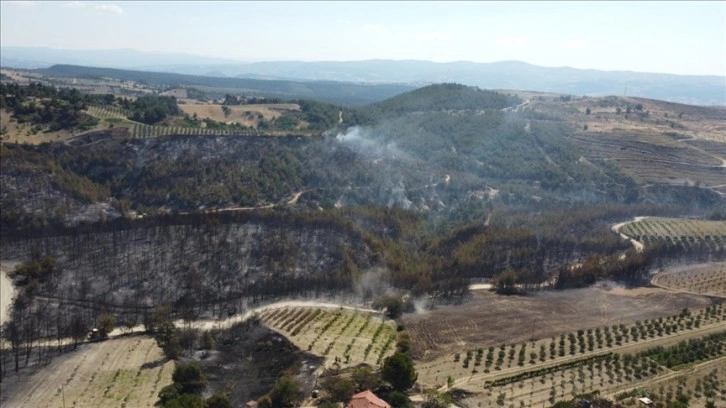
{"x":123,"y":372}
{"x":490,"y":319}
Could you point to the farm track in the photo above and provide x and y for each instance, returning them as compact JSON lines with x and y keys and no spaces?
{"x":637,"y":244}
{"x":624,"y":349}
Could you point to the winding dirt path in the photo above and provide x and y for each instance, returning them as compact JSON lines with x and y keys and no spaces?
{"x":637,"y":244}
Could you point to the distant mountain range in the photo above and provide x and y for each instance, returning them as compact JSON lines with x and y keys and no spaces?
{"x":691,"y":89}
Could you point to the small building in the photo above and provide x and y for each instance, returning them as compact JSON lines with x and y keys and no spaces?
{"x":646,"y":401}
{"x":366,"y":399}
{"x":251,"y":404}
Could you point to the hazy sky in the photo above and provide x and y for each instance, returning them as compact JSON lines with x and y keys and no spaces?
{"x":671,"y":37}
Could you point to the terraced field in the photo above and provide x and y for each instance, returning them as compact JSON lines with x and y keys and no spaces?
{"x":678,"y":232}
{"x":342,"y":336}
{"x":705,"y":279}
{"x":653,"y":158}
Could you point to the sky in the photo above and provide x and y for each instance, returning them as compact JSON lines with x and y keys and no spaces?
{"x":669,"y":37}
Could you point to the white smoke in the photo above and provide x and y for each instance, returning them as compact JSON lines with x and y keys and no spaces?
{"x":372,"y":284}
{"x":361,"y":140}
{"x":364,"y":141}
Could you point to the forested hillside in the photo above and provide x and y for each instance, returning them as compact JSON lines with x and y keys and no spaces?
{"x":420,"y":194}
{"x":327,"y":91}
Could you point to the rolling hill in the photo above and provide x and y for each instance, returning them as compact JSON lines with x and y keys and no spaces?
{"x":327,"y":91}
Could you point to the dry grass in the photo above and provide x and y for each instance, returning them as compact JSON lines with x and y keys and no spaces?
{"x":15,"y":132}
{"x":491,"y":319}
{"x":656,"y":118}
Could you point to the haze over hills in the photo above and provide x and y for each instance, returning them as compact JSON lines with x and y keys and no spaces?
{"x":516,"y":75}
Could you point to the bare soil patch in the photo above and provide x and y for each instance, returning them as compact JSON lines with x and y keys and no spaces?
{"x":490,"y":319}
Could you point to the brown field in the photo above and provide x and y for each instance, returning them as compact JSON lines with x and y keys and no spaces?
{"x":123,"y":372}
{"x":247,"y":115}
{"x":656,"y":117}
{"x":705,"y":279}
{"x":662,"y":143}
{"x":490,"y":319}
{"x":465,"y":365}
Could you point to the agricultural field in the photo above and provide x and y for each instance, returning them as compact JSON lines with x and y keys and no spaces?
{"x":100,"y":85}
{"x":653,"y":118}
{"x":118,"y":117}
{"x":489,"y":319}
{"x":122,"y":372}
{"x":653,"y":141}
{"x":705,"y":279}
{"x":246,"y":115}
{"x":678,"y":232}
{"x":342,"y":336}
{"x":609,"y":359}
{"x":653,"y":158}
{"x":701,"y":382}
{"x":617,"y":376}
{"x":494,"y":360}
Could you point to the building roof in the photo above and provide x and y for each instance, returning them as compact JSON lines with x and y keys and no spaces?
{"x":366,"y":399}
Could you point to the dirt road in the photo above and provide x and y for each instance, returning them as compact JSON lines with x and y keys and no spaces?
{"x":229,"y":322}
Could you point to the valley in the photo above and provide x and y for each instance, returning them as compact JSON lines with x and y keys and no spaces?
{"x":518,"y":248}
